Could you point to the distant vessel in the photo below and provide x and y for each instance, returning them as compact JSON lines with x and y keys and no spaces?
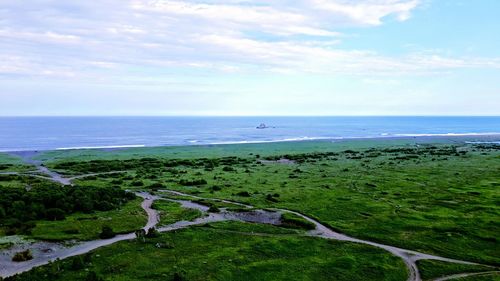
{"x":262,"y":126}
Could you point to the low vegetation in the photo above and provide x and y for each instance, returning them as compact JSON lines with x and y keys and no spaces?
{"x":205,"y":253}
{"x":440,"y":198}
{"x":431,"y":269}
{"x":294,"y":221}
{"x":171,"y":212}
{"x":129,"y":217}
{"x":22,"y":256}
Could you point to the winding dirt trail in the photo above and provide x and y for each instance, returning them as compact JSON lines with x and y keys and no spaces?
{"x":409,"y":257}
{"x":44,"y":252}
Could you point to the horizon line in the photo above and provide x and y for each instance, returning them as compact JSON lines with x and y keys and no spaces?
{"x":201,"y":115}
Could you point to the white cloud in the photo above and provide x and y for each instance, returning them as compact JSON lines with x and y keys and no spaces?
{"x":141,"y":38}
{"x":369,"y":12}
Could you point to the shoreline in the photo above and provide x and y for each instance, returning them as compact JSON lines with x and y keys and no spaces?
{"x":479,"y":139}
{"x":291,"y":140}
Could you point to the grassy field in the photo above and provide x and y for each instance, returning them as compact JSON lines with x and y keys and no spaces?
{"x":489,"y":277}
{"x":10,"y":163}
{"x":438,"y":198}
{"x":209,"y":253}
{"x":171,"y":212}
{"x":79,"y":226}
{"x":242,"y":150}
{"x":435,"y":195}
{"x":431,"y":269}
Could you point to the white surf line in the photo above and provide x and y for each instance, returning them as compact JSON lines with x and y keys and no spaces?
{"x":462,"y":275}
{"x":409,"y":257}
{"x":102,"y":147}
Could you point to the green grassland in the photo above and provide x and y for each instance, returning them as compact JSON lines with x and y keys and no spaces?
{"x":11,"y":163}
{"x":206,"y":253}
{"x":81,"y":226}
{"x":242,"y":150}
{"x":435,"y":195}
{"x":431,"y":269}
{"x":18,"y":181}
{"x":489,"y":277}
{"x":438,"y":198}
{"x":171,"y":212}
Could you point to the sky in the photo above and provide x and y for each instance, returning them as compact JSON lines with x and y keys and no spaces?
{"x":264,"y":57}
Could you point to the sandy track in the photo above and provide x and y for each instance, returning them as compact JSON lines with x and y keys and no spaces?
{"x":409,"y":257}
{"x":8,"y":268}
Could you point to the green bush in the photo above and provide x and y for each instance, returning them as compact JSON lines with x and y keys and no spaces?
{"x":107,"y":232}
{"x":22,"y":256}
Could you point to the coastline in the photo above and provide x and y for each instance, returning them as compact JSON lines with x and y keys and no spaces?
{"x":470,"y":138}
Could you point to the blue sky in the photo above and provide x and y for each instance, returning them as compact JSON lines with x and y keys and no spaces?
{"x":232,"y":57}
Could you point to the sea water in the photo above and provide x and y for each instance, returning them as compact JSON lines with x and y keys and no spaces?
{"x":46,"y":133}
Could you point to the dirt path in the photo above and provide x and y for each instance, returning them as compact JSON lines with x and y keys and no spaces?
{"x":45,"y":251}
{"x":27,"y":157}
{"x":408,"y":256}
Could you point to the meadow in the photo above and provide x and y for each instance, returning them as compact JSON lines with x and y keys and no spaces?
{"x":438,"y":196}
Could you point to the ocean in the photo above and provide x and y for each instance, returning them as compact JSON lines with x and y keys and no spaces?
{"x":48,"y":133}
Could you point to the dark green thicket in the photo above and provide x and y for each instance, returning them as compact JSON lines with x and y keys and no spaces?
{"x":50,"y":201}
{"x":95,"y":166}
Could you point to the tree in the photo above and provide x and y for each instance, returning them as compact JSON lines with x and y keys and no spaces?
{"x":152,"y":233}
{"x":55,"y":214}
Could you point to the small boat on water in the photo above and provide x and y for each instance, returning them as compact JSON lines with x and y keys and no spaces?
{"x":262,"y":126}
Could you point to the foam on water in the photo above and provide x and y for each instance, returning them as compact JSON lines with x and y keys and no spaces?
{"x":47,"y":133}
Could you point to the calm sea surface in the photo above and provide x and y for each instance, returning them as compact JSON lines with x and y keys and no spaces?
{"x":43,"y":133}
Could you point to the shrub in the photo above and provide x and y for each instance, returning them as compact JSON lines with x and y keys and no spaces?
{"x":270,"y":197}
{"x":152,"y":233}
{"x":243,"y":194}
{"x":213,"y":209}
{"x":155,"y":186}
{"x":22,"y":256}
{"x":137,"y":183}
{"x":107,"y":232}
{"x":228,"y":169}
{"x":192,"y":182}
